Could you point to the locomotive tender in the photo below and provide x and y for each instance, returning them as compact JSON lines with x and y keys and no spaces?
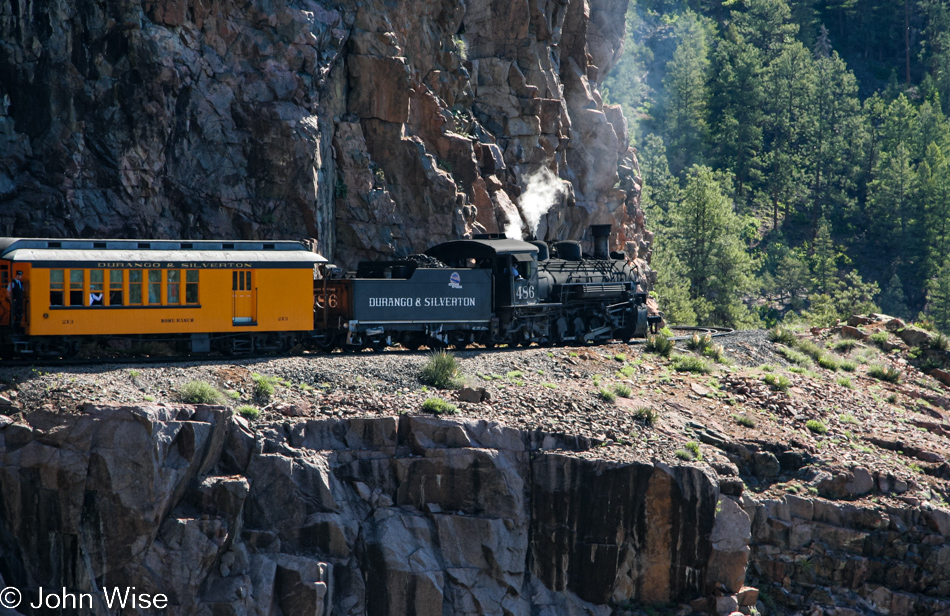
{"x":246,"y":296}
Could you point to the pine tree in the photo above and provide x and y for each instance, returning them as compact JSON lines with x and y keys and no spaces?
{"x":938,"y":297}
{"x":685,"y":117}
{"x":735,"y":107}
{"x":790,"y":84}
{"x":706,"y":241}
{"x":894,"y":300}
{"x":823,"y":256}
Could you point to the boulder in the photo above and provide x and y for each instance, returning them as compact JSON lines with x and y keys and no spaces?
{"x":915,"y":336}
{"x":730,"y":546}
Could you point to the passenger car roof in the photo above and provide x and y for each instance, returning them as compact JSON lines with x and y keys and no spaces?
{"x":157,"y":253}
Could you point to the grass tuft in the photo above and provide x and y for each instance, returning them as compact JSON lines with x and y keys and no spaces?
{"x":793,"y":356}
{"x":845,"y":382}
{"x":816,"y":426}
{"x":699,"y":343}
{"x":264,"y":386}
{"x":442,"y":370}
{"x":200,"y":392}
{"x":691,"y":363}
{"x":624,"y":391}
{"x":438,"y":406}
{"x":828,"y":362}
{"x":744,"y":420}
{"x":777,"y":382}
{"x":606,"y":395}
{"x":783,"y":336}
{"x":885,"y":373}
{"x":646,"y":414}
{"x":659,"y":344}
{"x":844,"y":345}
{"x":249,"y":412}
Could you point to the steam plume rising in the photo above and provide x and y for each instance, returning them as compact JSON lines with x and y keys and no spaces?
{"x":542,"y":190}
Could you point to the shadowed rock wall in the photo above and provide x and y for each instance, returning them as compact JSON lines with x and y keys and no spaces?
{"x":410,"y":516}
{"x":378,"y":128}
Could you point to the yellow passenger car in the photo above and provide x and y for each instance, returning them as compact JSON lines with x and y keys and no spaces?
{"x":242,"y":295}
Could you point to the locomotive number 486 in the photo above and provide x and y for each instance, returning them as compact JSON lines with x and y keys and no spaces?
{"x":525,"y":291}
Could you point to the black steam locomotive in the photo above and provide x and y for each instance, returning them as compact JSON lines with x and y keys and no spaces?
{"x":487,"y":290}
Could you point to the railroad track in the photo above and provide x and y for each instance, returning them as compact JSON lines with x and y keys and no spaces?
{"x":681,"y":333}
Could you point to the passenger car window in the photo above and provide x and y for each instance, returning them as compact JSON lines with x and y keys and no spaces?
{"x":191,"y":286}
{"x":96,"y":287}
{"x":174,"y":286}
{"x":56,"y":280}
{"x":135,"y":286}
{"x":115,"y":287}
{"x":77,"y":279}
{"x":154,"y":286}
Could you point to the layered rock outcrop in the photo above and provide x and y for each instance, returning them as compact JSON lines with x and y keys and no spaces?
{"x":377,"y":128}
{"x":848,"y":559}
{"x":390,"y":516}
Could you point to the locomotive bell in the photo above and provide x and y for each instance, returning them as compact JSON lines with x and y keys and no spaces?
{"x":601,"y":235}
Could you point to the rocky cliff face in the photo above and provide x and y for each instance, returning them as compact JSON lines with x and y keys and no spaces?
{"x":378,"y":128}
{"x":396,"y":516}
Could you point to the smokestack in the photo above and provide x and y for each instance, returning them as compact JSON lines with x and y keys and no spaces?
{"x":601,"y":235}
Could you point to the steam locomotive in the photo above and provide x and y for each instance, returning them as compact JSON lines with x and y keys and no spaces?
{"x":261,"y":296}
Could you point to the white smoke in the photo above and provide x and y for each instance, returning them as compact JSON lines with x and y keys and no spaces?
{"x":542,"y":190}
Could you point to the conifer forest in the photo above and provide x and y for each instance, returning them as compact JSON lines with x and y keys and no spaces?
{"x":795,"y":156}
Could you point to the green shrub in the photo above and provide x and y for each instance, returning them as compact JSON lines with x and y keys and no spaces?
{"x":264,"y":386}
{"x":438,"y":406}
{"x":691,"y":363}
{"x":620,"y":357}
{"x":442,"y":370}
{"x":646,"y":414}
{"x":693,"y":447}
{"x":793,"y":356}
{"x":148,"y":398}
{"x":845,"y":382}
{"x":777,"y":382}
{"x":892,"y":399}
{"x":879,"y":338}
{"x":885,"y":373}
{"x":659,"y":344}
{"x":816,"y":426}
{"x":699,"y":343}
{"x":200,"y":392}
{"x":667,"y":332}
{"x":628,"y":370}
{"x":845,"y":345}
{"x":848,"y":418}
{"x":606,"y":395}
{"x":716,"y":352}
{"x":847,"y":365}
{"x":624,"y":391}
{"x":940,"y":342}
{"x":249,"y":412}
{"x":744,"y":420}
{"x":810,"y":349}
{"x":828,"y":362}
{"x":514,"y":374}
{"x":783,"y":336}
{"x":690,"y":452}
